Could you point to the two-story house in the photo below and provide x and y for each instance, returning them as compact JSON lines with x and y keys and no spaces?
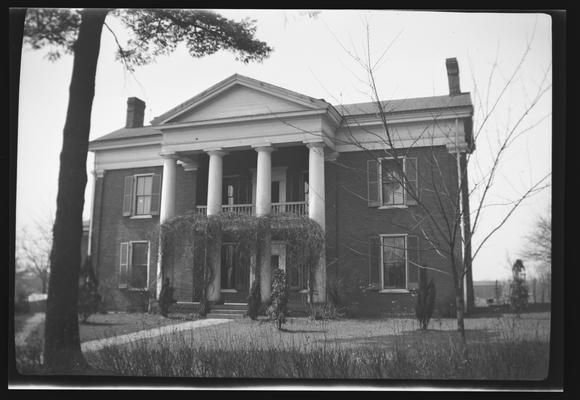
{"x":246,"y":146}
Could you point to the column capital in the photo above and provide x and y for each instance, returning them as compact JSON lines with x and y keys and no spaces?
{"x":215,"y":151}
{"x":316,"y":144}
{"x":461,"y":147}
{"x":263,"y":147}
{"x":170,"y":155}
{"x":331,"y":156}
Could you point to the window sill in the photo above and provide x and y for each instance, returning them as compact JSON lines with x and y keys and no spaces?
{"x":228,"y":291}
{"x":394,"y":206}
{"x":394,"y":291}
{"x":141,"y":216}
{"x":130,"y":289}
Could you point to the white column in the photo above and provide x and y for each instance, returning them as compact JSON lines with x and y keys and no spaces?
{"x":214,"y":186}
{"x":316,"y":210}
{"x":167,"y":206}
{"x":263,"y":208}
{"x":264,"y":180}
{"x":214,"y":207}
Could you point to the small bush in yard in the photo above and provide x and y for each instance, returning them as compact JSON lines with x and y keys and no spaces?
{"x":166,"y":299}
{"x":518,"y":289}
{"x":254,"y":300}
{"x":278,"y":309}
{"x":425,"y":299}
{"x":89,"y":297}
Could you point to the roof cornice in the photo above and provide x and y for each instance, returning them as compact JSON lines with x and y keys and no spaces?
{"x":231,"y":81}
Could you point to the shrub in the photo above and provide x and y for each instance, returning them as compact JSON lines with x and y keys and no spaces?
{"x":254,"y":300}
{"x":278,"y":309}
{"x":89,"y":297}
{"x":518,"y":289}
{"x":166,"y":299}
{"x":425,"y":299}
{"x":325,"y":311}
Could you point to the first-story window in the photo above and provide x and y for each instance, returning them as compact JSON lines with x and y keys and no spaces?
{"x":134,"y":265}
{"x":394,"y":262}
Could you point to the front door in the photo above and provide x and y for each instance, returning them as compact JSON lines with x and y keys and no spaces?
{"x":235,"y":273}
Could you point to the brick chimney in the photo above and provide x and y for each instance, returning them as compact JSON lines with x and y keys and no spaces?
{"x":453,"y":76}
{"x":135,"y":112}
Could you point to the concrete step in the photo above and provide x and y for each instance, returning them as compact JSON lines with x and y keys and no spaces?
{"x":216,"y":315}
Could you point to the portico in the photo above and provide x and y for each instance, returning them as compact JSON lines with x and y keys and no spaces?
{"x":265,"y":181}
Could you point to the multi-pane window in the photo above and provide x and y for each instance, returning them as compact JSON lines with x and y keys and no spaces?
{"x":133,"y":265}
{"x":391,"y":184}
{"x":143,"y":191}
{"x":142,"y":195}
{"x":394,"y":262}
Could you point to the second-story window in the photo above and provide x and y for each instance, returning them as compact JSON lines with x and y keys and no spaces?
{"x":392,"y":183}
{"x":142,"y":195}
{"x":143,"y":187}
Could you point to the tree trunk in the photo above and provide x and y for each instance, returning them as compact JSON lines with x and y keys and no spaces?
{"x":62,"y":350}
{"x":460,"y":309}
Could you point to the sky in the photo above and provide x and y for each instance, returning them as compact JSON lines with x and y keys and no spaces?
{"x":312,"y":56}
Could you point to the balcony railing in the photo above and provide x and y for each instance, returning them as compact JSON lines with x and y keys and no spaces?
{"x":292,"y":207}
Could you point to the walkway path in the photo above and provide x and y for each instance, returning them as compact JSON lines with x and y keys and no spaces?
{"x":29,"y":325}
{"x":95,"y":345}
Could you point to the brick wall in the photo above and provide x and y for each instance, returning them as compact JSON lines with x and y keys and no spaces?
{"x":350,"y":223}
{"x":112,"y":228}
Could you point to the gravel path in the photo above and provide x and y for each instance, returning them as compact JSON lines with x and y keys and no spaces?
{"x":29,"y":325}
{"x":95,"y":345}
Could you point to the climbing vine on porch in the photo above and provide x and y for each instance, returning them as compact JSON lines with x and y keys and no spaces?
{"x":187,"y":241}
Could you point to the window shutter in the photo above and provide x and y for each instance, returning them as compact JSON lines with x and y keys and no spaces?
{"x":412,"y":262}
{"x":373,"y":181}
{"x":128,"y":196}
{"x":375,"y":260}
{"x":412,"y":180}
{"x":124,"y":264}
{"x":155,"y":194}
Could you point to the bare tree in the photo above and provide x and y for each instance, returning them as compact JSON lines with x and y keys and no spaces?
{"x":447,"y":215}
{"x":538,"y":248}
{"x":33,"y":245}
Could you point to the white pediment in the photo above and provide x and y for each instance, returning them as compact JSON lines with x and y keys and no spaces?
{"x":238,"y":101}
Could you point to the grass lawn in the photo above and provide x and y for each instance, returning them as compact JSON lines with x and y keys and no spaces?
{"x":304,"y":334}
{"x":498,"y":348}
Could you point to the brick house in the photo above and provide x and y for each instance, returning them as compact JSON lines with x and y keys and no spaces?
{"x":245,"y":146}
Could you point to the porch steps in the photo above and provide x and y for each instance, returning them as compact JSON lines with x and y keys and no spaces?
{"x":228,"y":311}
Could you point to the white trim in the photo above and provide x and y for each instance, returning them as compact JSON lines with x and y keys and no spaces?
{"x":393,"y":206}
{"x":131,"y":164}
{"x":406,"y":117}
{"x":141,"y":216}
{"x":238,"y":119}
{"x":394,"y":291}
{"x":122,"y":143}
{"x":228,"y":291}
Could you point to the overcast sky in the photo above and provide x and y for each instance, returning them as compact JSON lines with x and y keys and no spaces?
{"x":310,"y":57}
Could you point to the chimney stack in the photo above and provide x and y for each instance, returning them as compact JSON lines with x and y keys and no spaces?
{"x":453,"y":76}
{"x":135,"y":112}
